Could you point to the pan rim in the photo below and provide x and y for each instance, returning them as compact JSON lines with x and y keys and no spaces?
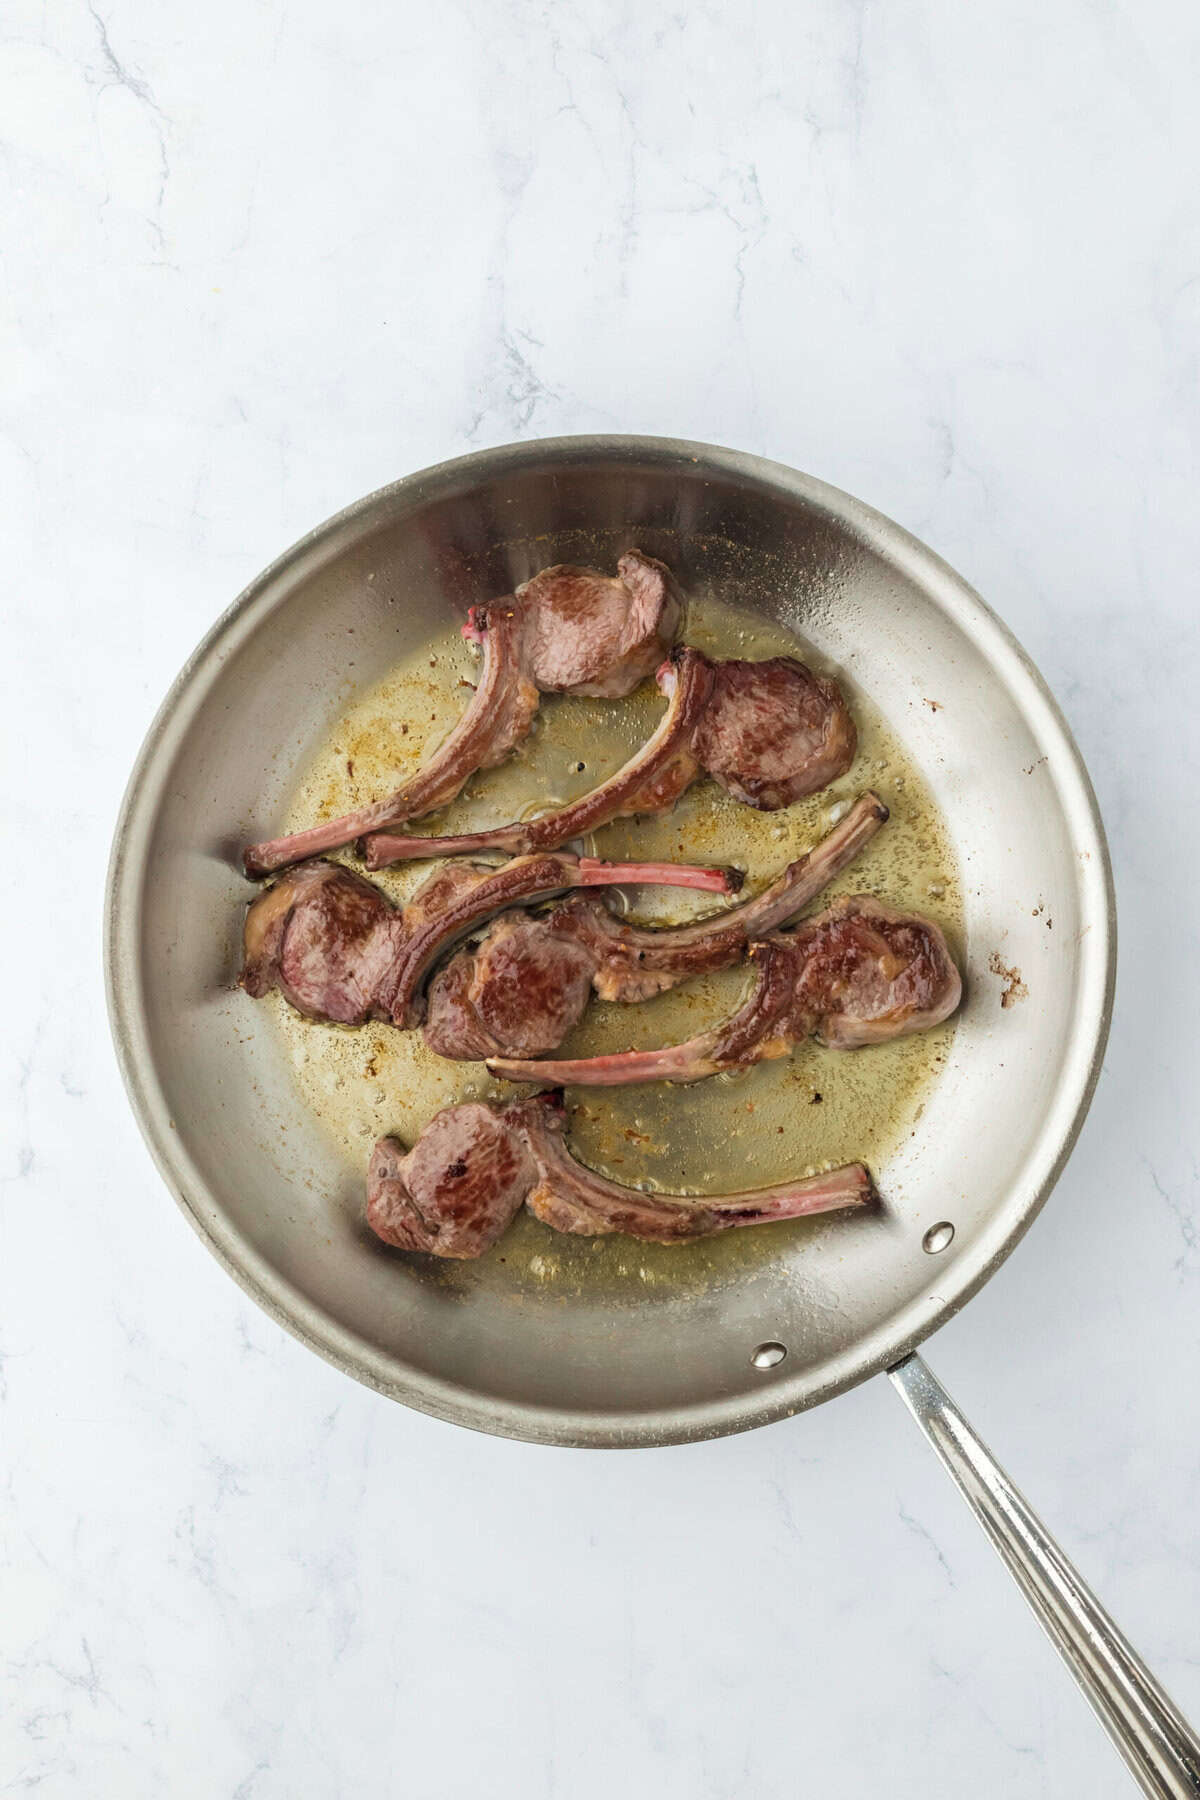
{"x":889,"y":1341}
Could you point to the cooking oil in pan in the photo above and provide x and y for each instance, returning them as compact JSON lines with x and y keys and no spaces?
{"x":812,"y":1110}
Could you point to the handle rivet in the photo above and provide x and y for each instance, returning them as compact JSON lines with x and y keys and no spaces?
{"x":938,"y":1237}
{"x":769,"y":1356}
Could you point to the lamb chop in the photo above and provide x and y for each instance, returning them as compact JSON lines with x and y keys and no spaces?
{"x":769,"y":732}
{"x":527,"y":984}
{"x":566,"y":631}
{"x":860,"y":973}
{"x":338,"y":950}
{"x":456,"y":1192}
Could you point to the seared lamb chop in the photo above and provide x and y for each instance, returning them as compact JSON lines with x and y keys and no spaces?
{"x":769,"y":732}
{"x":456,"y":1192}
{"x":338,"y":950}
{"x":522,"y":989}
{"x":566,"y":631}
{"x":518,"y":994}
{"x":860,"y":973}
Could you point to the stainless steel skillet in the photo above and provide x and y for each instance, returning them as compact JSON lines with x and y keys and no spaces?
{"x":272,"y":1197}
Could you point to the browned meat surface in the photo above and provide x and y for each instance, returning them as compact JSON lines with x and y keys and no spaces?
{"x":327,"y":939}
{"x":338,"y":950}
{"x":459,"y":1188}
{"x":869,"y":973}
{"x":529,"y":981}
{"x":518,"y":995}
{"x":773,"y":730}
{"x":586,"y":633}
{"x":566,"y":631}
{"x":861,"y":973}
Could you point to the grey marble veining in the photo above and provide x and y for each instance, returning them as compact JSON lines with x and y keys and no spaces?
{"x":260,"y":259}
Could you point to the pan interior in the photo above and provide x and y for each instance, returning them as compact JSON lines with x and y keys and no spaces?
{"x":812,"y":1110}
{"x":641,"y":1349}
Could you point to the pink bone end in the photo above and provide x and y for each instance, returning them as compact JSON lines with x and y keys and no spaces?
{"x":850,"y":1185}
{"x":593,"y":872}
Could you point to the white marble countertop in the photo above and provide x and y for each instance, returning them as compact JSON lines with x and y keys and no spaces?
{"x":266,"y":257}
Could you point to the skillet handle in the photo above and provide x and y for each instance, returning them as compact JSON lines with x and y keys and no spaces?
{"x":1158,"y":1744}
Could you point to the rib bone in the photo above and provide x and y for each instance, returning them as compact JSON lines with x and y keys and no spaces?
{"x":651,"y":781}
{"x":769,"y":732}
{"x":567,"y":631}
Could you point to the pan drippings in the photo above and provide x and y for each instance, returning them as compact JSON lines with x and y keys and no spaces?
{"x":815,"y":1109}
